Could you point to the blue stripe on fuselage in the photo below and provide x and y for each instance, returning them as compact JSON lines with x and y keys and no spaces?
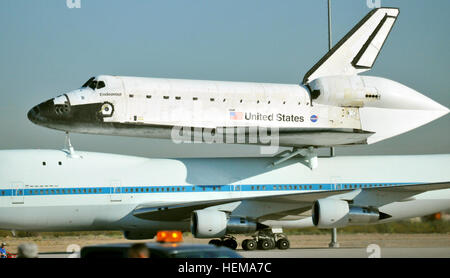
{"x":42,"y":191}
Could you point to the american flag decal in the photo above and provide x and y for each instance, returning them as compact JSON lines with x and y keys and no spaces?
{"x":236,"y":116}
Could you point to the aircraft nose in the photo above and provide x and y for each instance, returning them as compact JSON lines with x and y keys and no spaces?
{"x":33,"y":113}
{"x":48,"y":112}
{"x":42,"y":112}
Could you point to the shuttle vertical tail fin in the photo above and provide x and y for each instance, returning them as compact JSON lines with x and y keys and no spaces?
{"x":359,"y":49}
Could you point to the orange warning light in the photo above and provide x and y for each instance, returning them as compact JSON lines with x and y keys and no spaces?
{"x":169,"y":236}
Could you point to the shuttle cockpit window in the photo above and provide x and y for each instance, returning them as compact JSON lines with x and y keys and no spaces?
{"x":88,"y":83}
{"x":94,"y":84}
{"x":100,"y":84}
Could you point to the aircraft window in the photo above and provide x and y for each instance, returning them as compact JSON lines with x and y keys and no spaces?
{"x":131,"y":95}
{"x":59,"y":163}
{"x":268,"y":102}
{"x":224,"y":99}
{"x":166,"y":97}
{"x":93,"y":85}
{"x":195,"y":98}
{"x":43,"y":163}
{"x":177,"y":98}
{"x":149,"y":96}
{"x":88,"y":82}
{"x":211,"y":99}
{"x":257,"y":102}
{"x":100,"y":84}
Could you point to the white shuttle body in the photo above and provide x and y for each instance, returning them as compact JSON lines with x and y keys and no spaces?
{"x":333,"y":106}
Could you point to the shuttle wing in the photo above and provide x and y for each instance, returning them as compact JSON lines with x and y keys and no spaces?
{"x":304,"y":200}
{"x":359,"y":49}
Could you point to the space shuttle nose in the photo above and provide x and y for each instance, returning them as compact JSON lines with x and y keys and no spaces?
{"x":33,"y":113}
{"x":42,"y":113}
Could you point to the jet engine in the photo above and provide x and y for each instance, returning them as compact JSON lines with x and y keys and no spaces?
{"x":137,"y":235}
{"x":331,"y":213}
{"x":212,"y":223}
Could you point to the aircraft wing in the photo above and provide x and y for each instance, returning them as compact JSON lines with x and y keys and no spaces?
{"x":295,"y":202}
{"x":359,"y":49}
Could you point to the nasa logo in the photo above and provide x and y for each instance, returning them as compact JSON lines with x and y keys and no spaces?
{"x":314,"y":118}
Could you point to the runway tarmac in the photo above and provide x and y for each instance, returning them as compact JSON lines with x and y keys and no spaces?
{"x":434,"y":252}
{"x":351,"y":253}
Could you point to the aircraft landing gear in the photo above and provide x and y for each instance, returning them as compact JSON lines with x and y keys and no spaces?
{"x":267,"y":239}
{"x":249,"y":244}
{"x":227,"y":241}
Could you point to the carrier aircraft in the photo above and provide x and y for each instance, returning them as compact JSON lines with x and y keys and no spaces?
{"x":49,"y":190}
{"x":333,"y":106}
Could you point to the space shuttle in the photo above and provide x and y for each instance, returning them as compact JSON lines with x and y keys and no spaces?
{"x":333,"y":106}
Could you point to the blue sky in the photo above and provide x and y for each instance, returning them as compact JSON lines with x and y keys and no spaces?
{"x":47,"y":49}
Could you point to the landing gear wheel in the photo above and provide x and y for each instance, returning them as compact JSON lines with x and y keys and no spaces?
{"x":283,"y":244}
{"x":249,"y":245}
{"x":230,"y":243}
{"x":215,"y":242}
{"x":265,"y":244}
